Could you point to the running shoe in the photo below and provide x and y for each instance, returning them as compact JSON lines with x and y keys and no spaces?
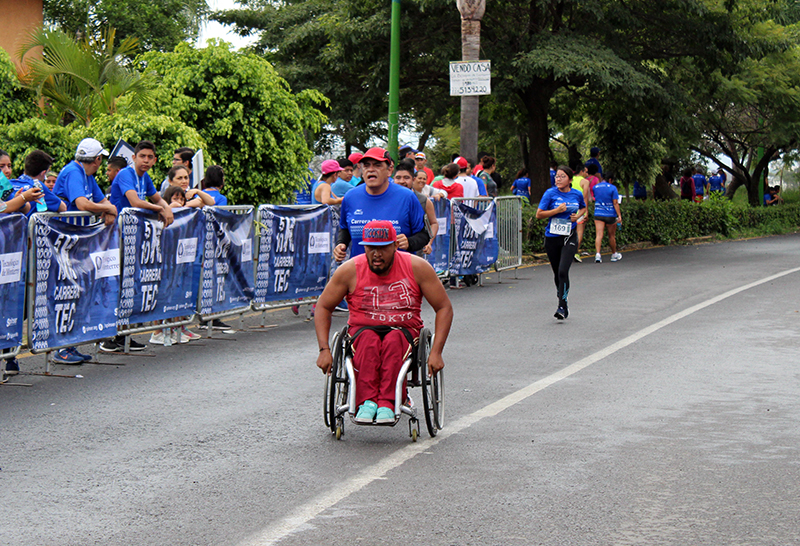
{"x":191,"y":335}
{"x":366,"y":413}
{"x":561,"y":313}
{"x":133,"y":344}
{"x":217,"y":324}
{"x":65,"y":356}
{"x":598,"y":259}
{"x":84,"y":357}
{"x":384,"y":416}
{"x":111,"y":346}
{"x":158,"y":338}
{"x":578,"y":258}
{"x":616,"y":257}
{"x":12,"y":366}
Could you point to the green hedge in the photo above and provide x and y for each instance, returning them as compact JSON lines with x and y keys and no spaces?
{"x":668,"y":222}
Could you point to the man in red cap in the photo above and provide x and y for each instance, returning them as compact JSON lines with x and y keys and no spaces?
{"x":384,"y":290}
{"x":378,"y":199}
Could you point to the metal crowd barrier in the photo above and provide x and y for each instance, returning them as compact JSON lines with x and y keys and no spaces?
{"x":238,"y":311}
{"x":140,"y":328}
{"x":78,"y":218}
{"x":478,"y":203}
{"x":509,"y":233}
{"x":263,"y":307}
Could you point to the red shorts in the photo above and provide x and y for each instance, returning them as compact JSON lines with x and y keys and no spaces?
{"x":377,"y":361}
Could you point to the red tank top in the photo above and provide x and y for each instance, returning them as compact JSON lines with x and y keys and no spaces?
{"x":392,"y":300}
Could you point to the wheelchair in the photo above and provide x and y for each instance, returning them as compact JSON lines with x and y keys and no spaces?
{"x":340,"y":387}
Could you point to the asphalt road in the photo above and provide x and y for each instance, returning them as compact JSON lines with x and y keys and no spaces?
{"x":664,"y":410}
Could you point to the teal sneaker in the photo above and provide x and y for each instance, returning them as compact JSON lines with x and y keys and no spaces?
{"x":385,"y":416}
{"x":366,"y":413}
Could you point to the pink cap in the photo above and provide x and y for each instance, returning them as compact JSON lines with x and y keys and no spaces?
{"x":330,"y":166}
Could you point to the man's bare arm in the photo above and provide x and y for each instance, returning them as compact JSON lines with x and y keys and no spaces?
{"x":434,"y":292}
{"x":334,"y":292}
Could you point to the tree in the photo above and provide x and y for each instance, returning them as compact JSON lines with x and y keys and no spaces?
{"x":342,"y":50}
{"x":254,"y":126}
{"x":18,"y":102}
{"x":82,"y":79}
{"x":538,"y":48}
{"x":749,"y":114}
{"x":158,"y":24}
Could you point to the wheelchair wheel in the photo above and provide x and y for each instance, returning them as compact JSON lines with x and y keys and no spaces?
{"x":326,"y":401}
{"x":338,"y":383}
{"x":431,"y":399}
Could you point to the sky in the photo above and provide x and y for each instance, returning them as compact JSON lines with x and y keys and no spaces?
{"x":213,"y":29}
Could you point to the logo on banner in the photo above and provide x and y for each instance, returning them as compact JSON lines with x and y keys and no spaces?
{"x":10,"y":267}
{"x":247,"y":250}
{"x":319,"y":242}
{"x":187,"y":250}
{"x":442,"y":226}
{"x":106,"y":263}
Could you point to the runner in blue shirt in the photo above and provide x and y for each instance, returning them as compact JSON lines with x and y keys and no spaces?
{"x":132,"y":185}
{"x":594,"y":153}
{"x":700,"y":185}
{"x":522,"y":186}
{"x":716,"y":184}
{"x":378,"y":199}
{"x":606,"y":214}
{"x":563,"y":206}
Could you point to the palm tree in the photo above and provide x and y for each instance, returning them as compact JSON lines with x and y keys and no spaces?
{"x":471,"y":15}
{"x":79,"y":79}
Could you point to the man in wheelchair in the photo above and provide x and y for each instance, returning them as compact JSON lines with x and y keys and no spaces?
{"x":384,"y":290}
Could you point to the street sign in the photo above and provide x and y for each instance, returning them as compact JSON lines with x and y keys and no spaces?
{"x":470,"y":78}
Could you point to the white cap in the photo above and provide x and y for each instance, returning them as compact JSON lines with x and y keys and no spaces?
{"x":89,"y":148}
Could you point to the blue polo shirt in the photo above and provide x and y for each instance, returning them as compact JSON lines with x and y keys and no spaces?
{"x":73,"y":182}
{"x":397,"y":204}
{"x":126,"y":180}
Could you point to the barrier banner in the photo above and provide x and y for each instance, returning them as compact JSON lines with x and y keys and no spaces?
{"x":294,"y":253}
{"x":160,"y":267}
{"x":76,"y":283}
{"x":476,"y":247}
{"x":227,"y":279}
{"x":13,"y":254}
{"x":439,"y":258}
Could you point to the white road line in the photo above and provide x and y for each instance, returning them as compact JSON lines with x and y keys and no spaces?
{"x":302,"y":515}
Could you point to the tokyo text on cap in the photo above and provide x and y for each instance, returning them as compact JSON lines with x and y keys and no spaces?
{"x":378,"y":233}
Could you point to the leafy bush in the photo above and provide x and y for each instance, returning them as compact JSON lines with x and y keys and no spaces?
{"x":254,"y":126}
{"x":19,"y":139}
{"x":18,"y":103}
{"x":668,"y":222}
{"x":165,"y":132}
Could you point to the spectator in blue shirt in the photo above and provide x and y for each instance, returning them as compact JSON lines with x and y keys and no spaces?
{"x":133,"y":186}
{"x":77,"y":187}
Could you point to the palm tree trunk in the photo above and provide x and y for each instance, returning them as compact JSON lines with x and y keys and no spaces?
{"x":470,"y":51}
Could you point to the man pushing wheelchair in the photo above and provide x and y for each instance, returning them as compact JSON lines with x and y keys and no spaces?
{"x":384,"y":290}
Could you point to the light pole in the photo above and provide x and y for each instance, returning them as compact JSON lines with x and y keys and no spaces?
{"x":394,"y":81}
